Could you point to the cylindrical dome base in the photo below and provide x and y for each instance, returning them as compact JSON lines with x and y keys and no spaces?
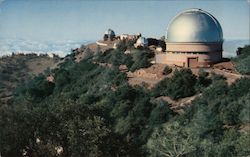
{"x":194,"y":47}
{"x":191,"y":54}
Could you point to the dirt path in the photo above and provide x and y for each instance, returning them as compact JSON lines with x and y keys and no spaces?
{"x":230,"y":76}
{"x":140,"y":80}
{"x":179,"y":105}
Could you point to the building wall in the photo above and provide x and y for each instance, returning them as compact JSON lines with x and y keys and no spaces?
{"x":181,"y":59}
{"x":193,"y":47}
{"x":179,"y":54}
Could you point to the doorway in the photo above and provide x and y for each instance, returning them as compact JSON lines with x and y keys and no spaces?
{"x":193,"y":62}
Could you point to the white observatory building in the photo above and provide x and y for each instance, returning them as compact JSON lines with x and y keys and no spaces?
{"x":194,"y":38}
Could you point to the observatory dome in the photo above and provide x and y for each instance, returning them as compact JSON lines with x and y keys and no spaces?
{"x":194,"y":25}
{"x":110,"y":32}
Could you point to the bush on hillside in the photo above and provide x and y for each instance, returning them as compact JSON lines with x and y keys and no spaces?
{"x":141,"y":58}
{"x":202,"y":80}
{"x":242,"y":61}
{"x":167,"y":70}
{"x":180,"y":85}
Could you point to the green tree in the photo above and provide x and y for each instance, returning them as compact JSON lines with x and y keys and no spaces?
{"x":242,"y":61}
{"x":141,"y":59}
{"x":161,"y":113}
{"x":171,"y":140}
{"x":62,"y":78}
{"x":245,"y":112}
{"x":182,"y":84}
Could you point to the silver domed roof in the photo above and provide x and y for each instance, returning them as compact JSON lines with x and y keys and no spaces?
{"x":194,"y":25}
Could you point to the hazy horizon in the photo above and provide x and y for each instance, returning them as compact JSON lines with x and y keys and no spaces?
{"x":62,"y":48}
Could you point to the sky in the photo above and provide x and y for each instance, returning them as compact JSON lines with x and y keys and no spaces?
{"x":50,"y":20}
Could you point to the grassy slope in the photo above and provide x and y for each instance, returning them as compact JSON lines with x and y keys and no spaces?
{"x":17,"y":69}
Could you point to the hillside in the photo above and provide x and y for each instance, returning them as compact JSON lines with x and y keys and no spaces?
{"x":91,"y":108}
{"x":20,"y":68}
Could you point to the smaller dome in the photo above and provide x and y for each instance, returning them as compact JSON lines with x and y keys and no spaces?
{"x":142,"y":41}
{"x":110,"y":32}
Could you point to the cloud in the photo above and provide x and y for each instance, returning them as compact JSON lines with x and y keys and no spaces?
{"x":62,"y":48}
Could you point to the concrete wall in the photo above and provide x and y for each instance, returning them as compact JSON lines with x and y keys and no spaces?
{"x":181,"y":59}
{"x":193,"y":47}
{"x":179,"y":53}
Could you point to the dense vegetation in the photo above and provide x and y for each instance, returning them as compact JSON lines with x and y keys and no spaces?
{"x":212,"y":126}
{"x":182,"y":84}
{"x":243,"y":60}
{"x":19,"y":68}
{"x":91,"y":110}
{"x":135,"y":59}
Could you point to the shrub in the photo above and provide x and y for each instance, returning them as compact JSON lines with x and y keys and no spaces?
{"x":160,"y":88}
{"x":167,"y":70}
{"x":217,"y":77}
{"x":39,"y":88}
{"x":243,"y":65}
{"x":182,"y":84}
{"x":245,"y":112}
{"x":141,"y":58}
{"x":202,"y":73}
{"x":160,"y":114}
{"x":62,"y":78}
{"x":202,"y":80}
{"x":242,"y":61}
